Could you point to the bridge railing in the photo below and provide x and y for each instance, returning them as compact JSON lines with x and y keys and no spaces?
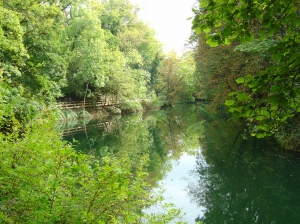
{"x":89,"y":103}
{"x":80,"y":104}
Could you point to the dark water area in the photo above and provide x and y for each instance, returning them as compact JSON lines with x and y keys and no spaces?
{"x":227,"y":177}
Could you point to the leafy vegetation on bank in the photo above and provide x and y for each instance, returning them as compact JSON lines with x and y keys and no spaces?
{"x":90,"y":49}
{"x":45,"y":180}
{"x":253,"y":66}
{"x":79,"y":49}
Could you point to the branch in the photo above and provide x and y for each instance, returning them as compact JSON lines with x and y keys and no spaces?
{"x":7,"y":4}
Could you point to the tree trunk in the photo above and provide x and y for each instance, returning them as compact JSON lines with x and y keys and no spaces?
{"x":87,"y":85}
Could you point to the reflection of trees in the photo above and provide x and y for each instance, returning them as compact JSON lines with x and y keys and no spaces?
{"x":176,"y":131}
{"x":244,"y":181}
{"x":165,"y":135}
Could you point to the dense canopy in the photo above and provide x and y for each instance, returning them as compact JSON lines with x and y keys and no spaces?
{"x":271,"y":30}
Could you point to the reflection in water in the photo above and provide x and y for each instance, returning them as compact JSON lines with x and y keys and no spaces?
{"x":244,"y":181}
{"x":176,"y":182}
{"x":165,"y":135}
{"x":236,"y":180}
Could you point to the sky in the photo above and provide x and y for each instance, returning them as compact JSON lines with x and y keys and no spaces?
{"x":169,"y":19}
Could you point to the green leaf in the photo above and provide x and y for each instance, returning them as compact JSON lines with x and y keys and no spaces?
{"x":273,"y":99}
{"x":262,"y":35}
{"x":197,"y":30}
{"x":283,"y":102}
{"x":207,"y":30}
{"x":229,"y":102}
{"x":211,"y":42}
{"x":242,"y":97}
{"x":265,"y":113}
{"x":260,"y":135}
{"x":249,"y":37}
{"x":232,"y":93}
{"x":240,"y":80}
{"x":276,"y":89}
{"x":227,"y":41}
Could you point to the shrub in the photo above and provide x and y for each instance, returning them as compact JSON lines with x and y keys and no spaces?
{"x":154,"y":103}
{"x":131,"y":106}
{"x":114,"y":110}
{"x":43,"y":180}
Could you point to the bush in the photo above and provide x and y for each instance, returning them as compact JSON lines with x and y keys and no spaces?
{"x":114,"y":110}
{"x":131,"y":106}
{"x":289,"y":135}
{"x":154,"y":103}
{"x":43,"y":180}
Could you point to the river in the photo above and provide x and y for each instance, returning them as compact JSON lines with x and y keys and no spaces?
{"x":206,"y":164}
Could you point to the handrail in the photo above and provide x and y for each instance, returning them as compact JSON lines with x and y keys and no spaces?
{"x":90,"y":103}
{"x":79,"y":104}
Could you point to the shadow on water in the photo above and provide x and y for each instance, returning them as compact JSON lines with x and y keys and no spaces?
{"x":240,"y":180}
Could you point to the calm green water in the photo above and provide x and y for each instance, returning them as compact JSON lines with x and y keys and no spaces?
{"x":205,"y":164}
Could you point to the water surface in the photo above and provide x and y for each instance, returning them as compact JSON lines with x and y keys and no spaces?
{"x":206,"y":164}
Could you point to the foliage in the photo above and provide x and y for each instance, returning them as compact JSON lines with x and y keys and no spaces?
{"x":131,"y":106}
{"x":219,"y":67}
{"x":152,"y":103}
{"x":45,"y":180}
{"x":39,"y":30}
{"x":85,"y":51}
{"x":69,"y":114}
{"x":175,"y":81}
{"x":289,"y":136}
{"x":79,"y":48}
{"x":256,"y":46}
{"x":272,"y":95}
{"x":12,"y":48}
{"x":114,"y":110}
{"x":111,"y":51}
{"x":117,"y":15}
{"x":16,"y":110}
{"x":165,"y":217}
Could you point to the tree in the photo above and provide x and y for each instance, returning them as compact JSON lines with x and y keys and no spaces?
{"x":175,"y":81}
{"x":43,"y":26}
{"x":111,"y":51}
{"x":28,"y":40}
{"x":141,"y":49}
{"x":273,"y":94}
{"x":187,"y":68}
{"x":219,"y":67}
{"x":11,"y":44}
{"x":87,"y":66}
{"x":117,"y":15}
{"x":169,"y":82}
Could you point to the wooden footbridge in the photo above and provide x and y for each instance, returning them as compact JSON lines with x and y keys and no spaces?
{"x":88,"y":104}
